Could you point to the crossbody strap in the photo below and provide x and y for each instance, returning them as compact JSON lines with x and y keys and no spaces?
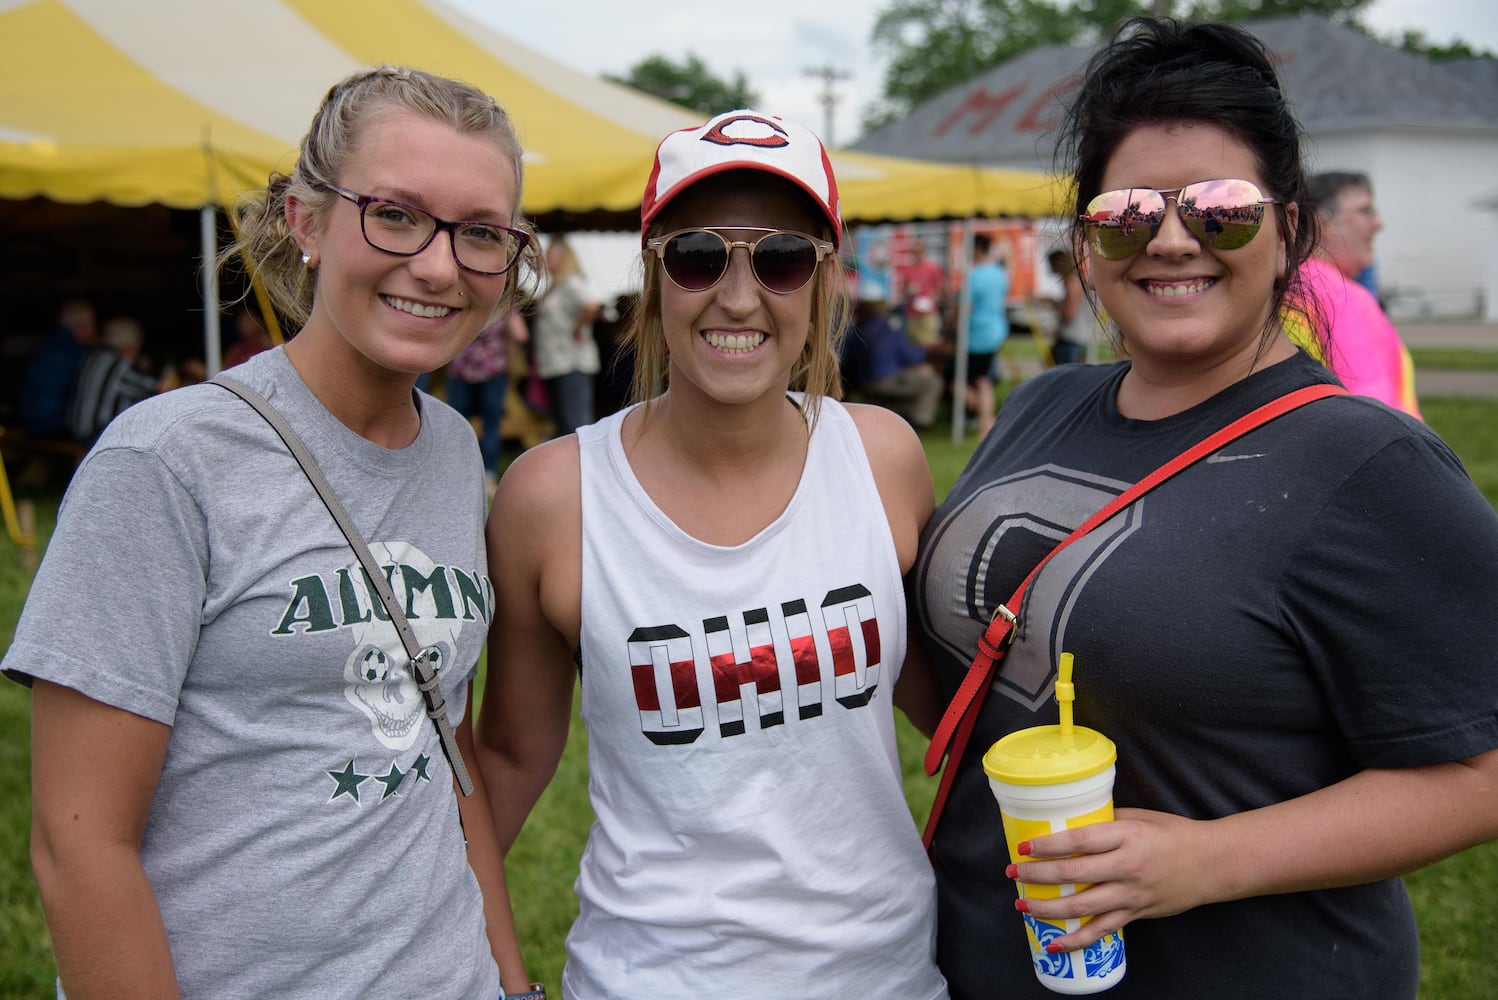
{"x":421,"y":659}
{"x":961,"y":716}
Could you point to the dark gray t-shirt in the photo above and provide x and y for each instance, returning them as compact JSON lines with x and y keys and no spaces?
{"x":1315,"y":599}
{"x":304,"y":837}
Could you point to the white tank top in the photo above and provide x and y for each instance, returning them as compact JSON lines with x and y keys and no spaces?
{"x":752,"y":835}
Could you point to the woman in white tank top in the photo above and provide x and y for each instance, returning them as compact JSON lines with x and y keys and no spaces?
{"x":723,"y":560}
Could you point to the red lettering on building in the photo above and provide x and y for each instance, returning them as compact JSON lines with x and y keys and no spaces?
{"x":981,"y":103}
{"x":1040,"y":116}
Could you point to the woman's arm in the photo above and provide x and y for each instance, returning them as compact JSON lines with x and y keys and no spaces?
{"x":904,"y":481}
{"x":901,"y":474}
{"x":584,"y":310}
{"x":94,"y":770}
{"x":586,"y":316}
{"x":535,"y":562}
{"x":488,"y":863}
{"x":1066,"y":309}
{"x":1374,"y":825}
{"x":534,"y":538}
{"x":917,"y":693}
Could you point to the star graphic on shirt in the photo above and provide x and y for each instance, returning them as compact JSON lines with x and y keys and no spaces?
{"x":419,"y":768}
{"x":391,"y":781}
{"x":348,"y":781}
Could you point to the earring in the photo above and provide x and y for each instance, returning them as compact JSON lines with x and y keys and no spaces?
{"x":306,"y":257}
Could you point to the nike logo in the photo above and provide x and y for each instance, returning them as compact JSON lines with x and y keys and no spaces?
{"x":1219,"y":457}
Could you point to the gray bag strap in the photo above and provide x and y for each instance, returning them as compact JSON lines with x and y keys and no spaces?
{"x":421,"y":659}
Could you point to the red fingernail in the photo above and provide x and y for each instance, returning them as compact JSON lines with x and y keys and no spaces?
{"x":1012,"y":871}
{"x":1022,"y":905}
{"x":1054,"y":949}
{"x":1023,"y":848}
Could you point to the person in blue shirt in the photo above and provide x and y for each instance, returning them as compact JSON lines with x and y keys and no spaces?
{"x":52,"y":376}
{"x":987,"y":327}
{"x":884,"y":366}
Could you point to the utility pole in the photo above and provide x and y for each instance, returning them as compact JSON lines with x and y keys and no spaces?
{"x":829,"y":75}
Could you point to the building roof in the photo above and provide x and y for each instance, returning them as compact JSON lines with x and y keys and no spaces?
{"x":1336,"y":78}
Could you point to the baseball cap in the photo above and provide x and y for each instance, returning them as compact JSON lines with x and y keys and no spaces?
{"x":742,"y":140}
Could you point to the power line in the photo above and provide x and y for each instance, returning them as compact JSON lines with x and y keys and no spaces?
{"x":829,"y":75}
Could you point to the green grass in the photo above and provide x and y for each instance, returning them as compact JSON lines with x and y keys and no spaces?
{"x":1465,"y":359}
{"x":1452,"y":899}
{"x":1470,"y":426}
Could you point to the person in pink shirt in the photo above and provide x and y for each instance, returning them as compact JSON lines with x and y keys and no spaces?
{"x":1363,"y":348}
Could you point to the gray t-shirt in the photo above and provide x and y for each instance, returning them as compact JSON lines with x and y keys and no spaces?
{"x":304,"y":838}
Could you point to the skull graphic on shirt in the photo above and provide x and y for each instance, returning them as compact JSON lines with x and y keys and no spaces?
{"x":378,"y":677}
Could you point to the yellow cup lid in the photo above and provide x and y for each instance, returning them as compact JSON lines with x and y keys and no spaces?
{"x":1045,"y":755}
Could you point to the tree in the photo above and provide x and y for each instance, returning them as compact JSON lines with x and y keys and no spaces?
{"x":934,"y":45}
{"x":689,"y":84}
{"x":1416,"y":42}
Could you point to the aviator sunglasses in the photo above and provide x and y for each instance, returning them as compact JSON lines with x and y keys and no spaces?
{"x":1221,"y":214}
{"x":782,"y":261}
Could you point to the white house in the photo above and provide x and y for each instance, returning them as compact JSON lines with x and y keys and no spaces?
{"x":1488,"y":205}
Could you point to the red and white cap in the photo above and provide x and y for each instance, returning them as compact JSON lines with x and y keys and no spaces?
{"x":742,"y":140}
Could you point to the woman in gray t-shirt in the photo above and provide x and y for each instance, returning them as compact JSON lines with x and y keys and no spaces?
{"x":236,"y":792}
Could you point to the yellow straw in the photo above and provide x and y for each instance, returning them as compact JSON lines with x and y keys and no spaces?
{"x":1066,"y":693}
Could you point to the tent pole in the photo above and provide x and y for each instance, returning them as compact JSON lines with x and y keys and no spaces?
{"x":959,"y":359}
{"x":208,"y":230}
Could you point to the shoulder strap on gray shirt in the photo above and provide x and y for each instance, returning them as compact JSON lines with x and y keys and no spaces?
{"x":421,"y":659}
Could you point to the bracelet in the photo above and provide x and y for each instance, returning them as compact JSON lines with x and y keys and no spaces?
{"x":536,"y":992}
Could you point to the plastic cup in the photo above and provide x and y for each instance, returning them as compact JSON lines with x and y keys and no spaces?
{"x":1048,"y":779}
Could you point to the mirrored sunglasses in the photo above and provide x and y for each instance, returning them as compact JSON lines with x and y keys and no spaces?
{"x":782,"y":261}
{"x":1221,"y":214}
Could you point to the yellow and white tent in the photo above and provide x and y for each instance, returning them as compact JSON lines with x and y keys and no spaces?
{"x":185,"y":103}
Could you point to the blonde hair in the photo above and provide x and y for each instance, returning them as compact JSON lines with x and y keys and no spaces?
{"x":567,"y":262}
{"x":264,"y":243}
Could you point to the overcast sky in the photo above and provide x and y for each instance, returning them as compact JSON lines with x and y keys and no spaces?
{"x":776,"y":42}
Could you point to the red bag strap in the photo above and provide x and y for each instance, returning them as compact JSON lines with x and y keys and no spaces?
{"x":957,"y":721}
